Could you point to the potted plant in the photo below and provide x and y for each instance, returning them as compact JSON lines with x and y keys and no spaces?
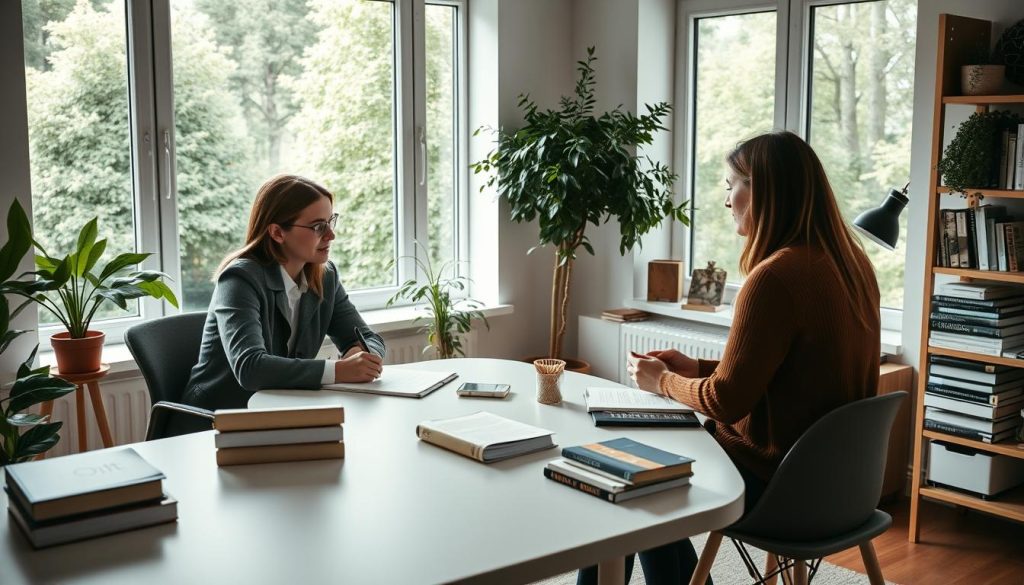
{"x":23,"y":435}
{"x":972,"y":158}
{"x":72,"y":291}
{"x":982,"y":75}
{"x":569,"y":167}
{"x":449,"y":319}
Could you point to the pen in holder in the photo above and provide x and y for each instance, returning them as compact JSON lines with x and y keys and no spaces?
{"x":549,"y":378}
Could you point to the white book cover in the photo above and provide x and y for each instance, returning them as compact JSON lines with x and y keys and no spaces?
{"x":227,"y":440}
{"x":977,"y":290}
{"x":484,"y":436}
{"x":92,"y":471}
{"x":398,"y":382}
{"x":629,"y":400}
{"x":948,"y":344}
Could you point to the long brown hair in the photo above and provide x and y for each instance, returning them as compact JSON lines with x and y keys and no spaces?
{"x":280,"y":200}
{"x":792,"y":203}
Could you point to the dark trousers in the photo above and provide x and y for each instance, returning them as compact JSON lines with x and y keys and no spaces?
{"x":675,"y":562}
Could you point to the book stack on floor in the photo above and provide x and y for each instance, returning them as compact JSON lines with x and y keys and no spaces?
{"x":973,"y":400}
{"x":625,"y":315}
{"x":979,"y":318}
{"x":274,"y":435}
{"x":86,"y":495}
{"x":626,"y":407}
{"x":619,"y":470}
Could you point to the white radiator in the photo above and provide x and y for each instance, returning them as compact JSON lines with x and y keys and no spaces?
{"x":693,"y":339}
{"x":126,"y":399}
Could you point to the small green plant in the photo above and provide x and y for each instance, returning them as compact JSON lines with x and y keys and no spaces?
{"x":449,"y":318}
{"x":23,"y":435}
{"x":568,"y":167}
{"x":972,"y":157}
{"x":70,"y":289}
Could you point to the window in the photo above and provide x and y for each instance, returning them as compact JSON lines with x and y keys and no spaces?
{"x":844,"y":83}
{"x":163,"y":117}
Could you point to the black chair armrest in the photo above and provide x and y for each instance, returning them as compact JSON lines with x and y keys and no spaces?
{"x":162,"y":410}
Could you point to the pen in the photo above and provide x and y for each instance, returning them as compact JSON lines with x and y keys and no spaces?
{"x":362,"y":339}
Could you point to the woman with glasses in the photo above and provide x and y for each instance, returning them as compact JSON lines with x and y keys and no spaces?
{"x":275,"y":300}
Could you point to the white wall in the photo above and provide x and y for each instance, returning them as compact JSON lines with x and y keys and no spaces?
{"x":1003,"y":13}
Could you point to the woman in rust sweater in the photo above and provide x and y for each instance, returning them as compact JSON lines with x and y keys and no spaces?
{"x":805,"y":331}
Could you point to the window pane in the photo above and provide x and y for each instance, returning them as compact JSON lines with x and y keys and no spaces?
{"x":861,"y":110}
{"x":442,"y":183}
{"x":284,"y":87}
{"x":76,"y":69}
{"x":735,"y":99}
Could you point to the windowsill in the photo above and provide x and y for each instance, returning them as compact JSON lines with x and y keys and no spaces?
{"x":122,"y":365}
{"x":892,"y":340}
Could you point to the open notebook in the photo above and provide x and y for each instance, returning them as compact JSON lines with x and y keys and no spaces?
{"x":630,"y":400}
{"x":399,"y":382}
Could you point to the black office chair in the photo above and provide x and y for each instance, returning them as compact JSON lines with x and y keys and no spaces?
{"x":822,"y":498}
{"x":165,"y":350}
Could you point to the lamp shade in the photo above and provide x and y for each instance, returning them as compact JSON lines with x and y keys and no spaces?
{"x":882,"y":224}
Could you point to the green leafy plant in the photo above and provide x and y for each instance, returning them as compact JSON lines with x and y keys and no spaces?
{"x":972,"y":157}
{"x":70,"y":289}
{"x":23,"y":435}
{"x":449,"y":318}
{"x":569,"y":167}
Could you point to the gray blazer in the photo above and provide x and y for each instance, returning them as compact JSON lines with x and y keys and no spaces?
{"x":245,"y":339}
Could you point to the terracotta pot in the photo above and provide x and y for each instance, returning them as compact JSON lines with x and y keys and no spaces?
{"x":78,"y":356}
{"x":571,"y":365}
{"x":982,"y":79}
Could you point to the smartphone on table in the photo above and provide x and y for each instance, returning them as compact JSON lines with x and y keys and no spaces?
{"x":483,"y":390}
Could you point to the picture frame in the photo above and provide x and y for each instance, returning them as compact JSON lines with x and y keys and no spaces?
{"x":707,"y":286}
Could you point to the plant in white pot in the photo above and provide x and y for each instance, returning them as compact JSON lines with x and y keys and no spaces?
{"x":569,"y":167}
{"x":73,"y":290}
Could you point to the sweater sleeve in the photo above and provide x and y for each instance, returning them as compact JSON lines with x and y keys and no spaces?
{"x":345,"y":319}
{"x":762,"y":332}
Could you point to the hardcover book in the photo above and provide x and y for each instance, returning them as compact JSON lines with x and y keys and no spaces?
{"x":84,"y":482}
{"x":644,"y":419}
{"x":630,"y":460}
{"x":333,"y":433}
{"x":485,"y":437}
{"x":603,"y":487}
{"x":963,"y":364}
{"x":250,"y":419}
{"x":280,"y":453}
{"x":54,"y":532}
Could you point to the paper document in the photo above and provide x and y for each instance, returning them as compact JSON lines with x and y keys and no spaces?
{"x":399,"y":382}
{"x":630,"y":400}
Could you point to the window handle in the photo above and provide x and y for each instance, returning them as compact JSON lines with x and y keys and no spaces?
{"x":423,"y":155}
{"x":148,"y":141}
{"x":167,"y":161}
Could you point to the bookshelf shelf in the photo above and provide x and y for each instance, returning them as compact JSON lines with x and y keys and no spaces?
{"x":1001,"y":193}
{"x":1011,"y":277}
{"x":978,"y":357}
{"x":1008,"y":505}
{"x":1010,"y":448}
{"x":983,"y":100}
{"x":956,"y":39}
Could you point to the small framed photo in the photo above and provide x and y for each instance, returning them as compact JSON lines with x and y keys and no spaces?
{"x":707,"y":286}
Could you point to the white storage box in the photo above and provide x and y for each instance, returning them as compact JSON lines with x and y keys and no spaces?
{"x":980,"y":472}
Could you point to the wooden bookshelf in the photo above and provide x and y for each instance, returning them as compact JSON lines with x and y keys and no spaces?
{"x":957,"y":36}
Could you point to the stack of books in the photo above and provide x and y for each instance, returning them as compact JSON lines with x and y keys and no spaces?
{"x":979,"y":318}
{"x":972,"y":399}
{"x":981,"y":238}
{"x":619,"y":470}
{"x":86,"y":495}
{"x":273,"y":435}
{"x":625,"y":315}
{"x":627,"y":407}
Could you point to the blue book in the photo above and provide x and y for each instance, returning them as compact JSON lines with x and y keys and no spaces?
{"x":631,"y":460}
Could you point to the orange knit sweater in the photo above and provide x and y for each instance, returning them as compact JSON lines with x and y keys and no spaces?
{"x":795,"y":352}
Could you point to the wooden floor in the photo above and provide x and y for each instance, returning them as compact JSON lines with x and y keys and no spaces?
{"x":957,"y":547}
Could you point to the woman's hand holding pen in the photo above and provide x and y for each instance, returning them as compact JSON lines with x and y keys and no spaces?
{"x":358,"y":366}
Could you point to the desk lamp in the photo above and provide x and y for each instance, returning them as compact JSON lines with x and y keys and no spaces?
{"x":882,"y":224}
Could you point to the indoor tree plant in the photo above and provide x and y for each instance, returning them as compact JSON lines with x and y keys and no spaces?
{"x":569,"y":167}
{"x":70,"y":289}
{"x":449,"y":318}
{"x":23,"y":435}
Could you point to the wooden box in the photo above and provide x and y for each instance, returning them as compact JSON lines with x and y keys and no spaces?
{"x":665,"y":280}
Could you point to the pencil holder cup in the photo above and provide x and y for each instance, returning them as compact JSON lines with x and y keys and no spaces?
{"x":549,"y":380}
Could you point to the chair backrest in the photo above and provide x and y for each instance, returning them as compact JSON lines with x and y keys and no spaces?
{"x":165,"y":350}
{"x":830,"y":481}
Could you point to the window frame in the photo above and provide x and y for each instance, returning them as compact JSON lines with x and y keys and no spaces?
{"x":792,"y":78}
{"x":153,"y":153}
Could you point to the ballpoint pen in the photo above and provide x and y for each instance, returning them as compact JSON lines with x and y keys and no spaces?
{"x":362,"y":339}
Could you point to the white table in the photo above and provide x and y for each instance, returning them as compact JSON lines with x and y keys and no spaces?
{"x":395,"y":510}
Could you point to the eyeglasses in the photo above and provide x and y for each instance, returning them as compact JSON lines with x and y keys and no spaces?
{"x":320,"y":227}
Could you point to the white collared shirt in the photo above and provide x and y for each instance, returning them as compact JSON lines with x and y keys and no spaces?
{"x":294,"y":291}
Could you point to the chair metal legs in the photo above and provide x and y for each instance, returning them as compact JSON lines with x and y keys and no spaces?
{"x":707,"y":558}
{"x":874,"y":570}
